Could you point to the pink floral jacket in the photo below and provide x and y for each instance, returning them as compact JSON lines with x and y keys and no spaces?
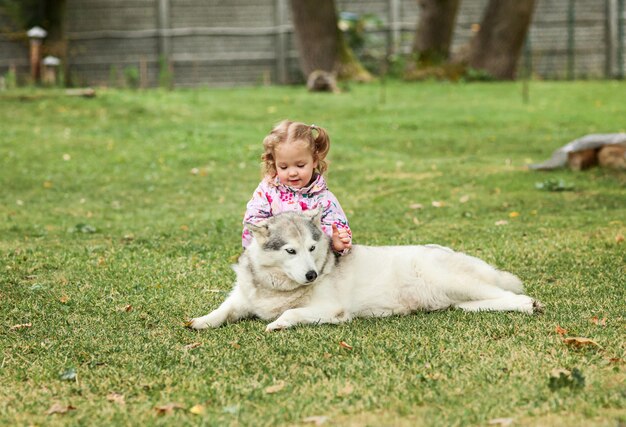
{"x":271,"y":198}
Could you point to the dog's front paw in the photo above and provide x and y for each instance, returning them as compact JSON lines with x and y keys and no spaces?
{"x":197,"y":323}
{"x":537,"y":307}
{"x":277,"y":325}
{"x":203,"y":322}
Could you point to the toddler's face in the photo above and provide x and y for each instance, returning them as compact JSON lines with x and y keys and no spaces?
{"x":294,"y":163}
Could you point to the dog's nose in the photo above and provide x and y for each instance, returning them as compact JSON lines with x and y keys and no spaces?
{"x":311,"y":275}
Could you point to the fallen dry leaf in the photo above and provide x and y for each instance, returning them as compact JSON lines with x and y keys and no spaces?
{"x":580,"y":342}
{"x":275,"y":388}
{"x":345,"y":345}
{"x":501,"y":422}
{"x":416,"y":206}
{"x":560,"y":330}
{"x":513,"y":214}
{"x":501,"y":222}
{"x":64,"y":299}
{"x":619,"y":238}
{"x":464,"y":199}
{"x":318,"y":420}
{"x":599,"y":322}
{"x":58,"y":408}
{"x":346,"y":390}
{"x":192,"y":345}
{"x":168,"y":408}
{"x":197,"y":409}
{"x":438,"y":204}
{"x":235,"y":344}
{"x":20,"y":326}
{"x":116,"y":398}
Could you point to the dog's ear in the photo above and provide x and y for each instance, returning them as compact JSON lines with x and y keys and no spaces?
{"x":259,"y":231}
{"x":315,"y":215}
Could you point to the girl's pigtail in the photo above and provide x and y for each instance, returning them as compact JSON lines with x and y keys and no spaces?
{"x":322,"y":146}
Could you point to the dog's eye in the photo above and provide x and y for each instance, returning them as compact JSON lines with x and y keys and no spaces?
{"x":291,"y":251}
{"x":312,"y":248}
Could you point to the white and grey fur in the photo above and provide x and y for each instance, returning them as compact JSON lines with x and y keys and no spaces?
{"x":290,"y":273}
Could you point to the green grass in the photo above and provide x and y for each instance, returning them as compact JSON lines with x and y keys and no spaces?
{"x":121,"y":165}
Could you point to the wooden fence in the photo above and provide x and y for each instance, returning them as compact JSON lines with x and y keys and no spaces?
{"x":243,"y":42}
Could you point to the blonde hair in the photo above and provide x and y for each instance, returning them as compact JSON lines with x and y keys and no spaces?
{"x":288,"y":131}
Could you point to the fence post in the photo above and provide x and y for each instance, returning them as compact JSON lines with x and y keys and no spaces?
{"x":571,"y":18}
{"x":163,"y":26}
{"x":280,"y":22}
{"x":620,"y":39}
{"x":394,"y":26}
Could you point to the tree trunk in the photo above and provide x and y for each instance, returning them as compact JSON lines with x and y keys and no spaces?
{"x":321,"y":45}
{"x":315,"y":27}
{"x":435,"y":27}
{"x":497,"y":45}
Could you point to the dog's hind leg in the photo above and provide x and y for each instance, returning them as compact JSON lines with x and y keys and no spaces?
{"x":510,"y":302}
{"x":230,"y":310}
{"x":306,"y":315}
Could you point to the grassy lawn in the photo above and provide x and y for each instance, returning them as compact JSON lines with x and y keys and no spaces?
{"x":120,"y":217}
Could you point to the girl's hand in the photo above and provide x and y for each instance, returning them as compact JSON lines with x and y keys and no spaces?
{"x":341,"y":239}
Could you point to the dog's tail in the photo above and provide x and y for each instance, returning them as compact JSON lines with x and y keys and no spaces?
{"x":510,"y":282}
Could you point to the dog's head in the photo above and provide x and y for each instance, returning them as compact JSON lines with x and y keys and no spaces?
{"x":292,"y":243}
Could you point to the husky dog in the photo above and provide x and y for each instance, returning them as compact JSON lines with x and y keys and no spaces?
{"x":290,"y":273}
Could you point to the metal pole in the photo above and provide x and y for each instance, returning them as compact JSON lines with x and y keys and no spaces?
{"x":394,"y":26}
{"x":163,"y":25}
{"x":280,"y":20}
{"x":620,"y":39}
{"x":528,"y":67}
{"x":571,"y":18}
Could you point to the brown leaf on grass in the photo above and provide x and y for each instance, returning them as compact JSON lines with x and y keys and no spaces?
{"x":192,"y":345}
{"x":168,"y":408}
{"x":58,"y":408}
{"x":318,"y":420}
{"x":116,"y":398}
{"x":346,"y":390}
{"x":501,"y":222}
{"x":500,"y":422}
{"x":438,"y":204}
{"x":275,"y":388}
{"x":64,"y":299}
{"x":560,"y":330}
{"x":197,"y":409}
{"x":580,"y":342}
{"x":235,"y":345}
{"x":617,"y":360}
{"x":20,"y":326}
{"x":599,"y":322}
{"x":464,"y":199}
{"x":345,"y":345}
{"x":619,"y":238}
{"x":416,"y":206}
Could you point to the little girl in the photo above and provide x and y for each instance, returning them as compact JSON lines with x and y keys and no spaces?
{"x":293,"y":163}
